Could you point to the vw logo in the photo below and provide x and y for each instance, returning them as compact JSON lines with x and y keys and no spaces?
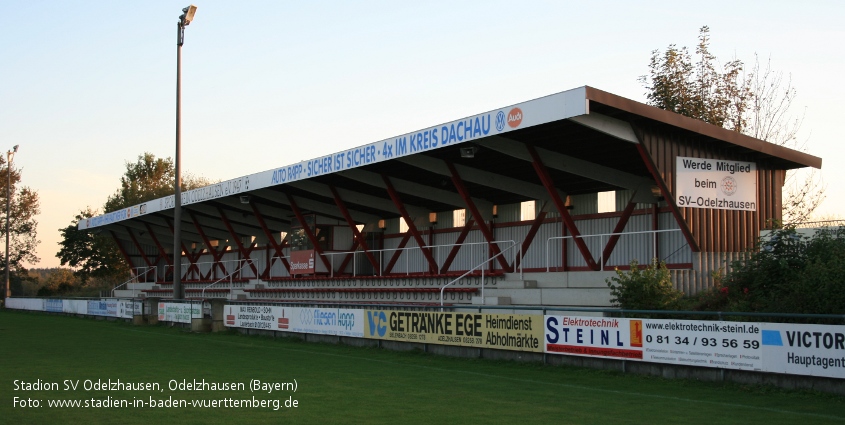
{"x":500,"y":121}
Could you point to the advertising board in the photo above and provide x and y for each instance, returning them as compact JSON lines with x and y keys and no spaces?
{"x":323,"y":321}
{"x":817,"y":350}
{"x":53,"y":305}
{"x":179,"y":312}
{"x":502,"y":331}
{"x":102,"y":307}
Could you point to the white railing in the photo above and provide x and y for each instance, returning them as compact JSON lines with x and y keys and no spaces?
{"x":245,"y":262}
{"x":136,"y":272}
{"x":437,"y":253}
{"x":602,"y":236}
{"x":211,"y":266}
{"x":483,"y":300}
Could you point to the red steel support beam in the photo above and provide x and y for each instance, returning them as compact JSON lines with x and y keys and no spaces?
{"x":161,"y":252}
{"x":397,"y":202}
{"x":241,"y":249}
{"x":138,"y":247}
{"x":668,"y":197}
{"x":459,"y":185}
{"x":168,"y":259}
{"x":276,"y":247}
{"x":395,"y":257}
{"x":543,"y":173}
{"x":348,"y":257}
{"x":192,"y":259}
{"x":529,"y":237}
{"x":458,"y":243}
{"x":213,"y":250}
{"x":308,"y":232}
{"x":620,"y":226}
{"x":122,"y":251}
{"x":353,"y":226}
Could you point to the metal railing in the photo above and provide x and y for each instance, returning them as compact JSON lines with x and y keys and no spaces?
{"x":483,"y":300}
{"x":136,"y":278}
{"x":230,"y":276}
{"x":437,"y":253}
{"x":601,"y":237}
{"x":212,"y":266}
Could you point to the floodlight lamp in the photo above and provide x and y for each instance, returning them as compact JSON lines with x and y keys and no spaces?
{"x":468,"y":152}
{"x":188,"y":15}
{"x":244,"y":199}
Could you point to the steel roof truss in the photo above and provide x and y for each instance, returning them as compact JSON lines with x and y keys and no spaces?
{"x":480,"y":177}
{"x":308,"y":231}
{"x":354,"y":227}
{"x":397,"y":201}
{"x":471,"y":206}
{"x":245,"y":252}
{"x":211,"y":249}
{"x":543,"y":174}
{"x":277,"y":248}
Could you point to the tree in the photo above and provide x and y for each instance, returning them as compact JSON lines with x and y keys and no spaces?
{"x":91,"y":254}
{"x":23,"y":235}
{"x":97,"y":255}
{"x":59,"y":282}
{"x":755,"y":102}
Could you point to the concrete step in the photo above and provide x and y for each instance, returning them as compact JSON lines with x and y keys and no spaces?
{"x":491,"y":300}
{"x":128,"y":293}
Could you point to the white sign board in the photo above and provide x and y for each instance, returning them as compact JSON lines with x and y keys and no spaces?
{"x":324,"y":321}
{"x":716,"y":184}
{"x":179,"y":312}
{"x":727,"y":345}
{"x":594,"y":337}
{"x":817,"y":350}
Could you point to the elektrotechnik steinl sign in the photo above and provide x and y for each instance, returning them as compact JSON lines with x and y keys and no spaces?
{"x":715,"y":183}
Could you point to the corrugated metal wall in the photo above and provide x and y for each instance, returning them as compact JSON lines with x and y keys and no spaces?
{"x":714,"y":230}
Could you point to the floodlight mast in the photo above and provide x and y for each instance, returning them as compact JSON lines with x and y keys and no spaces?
{"x":184,"y":20}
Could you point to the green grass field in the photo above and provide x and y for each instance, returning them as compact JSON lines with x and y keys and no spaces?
{"x":341,"y":384}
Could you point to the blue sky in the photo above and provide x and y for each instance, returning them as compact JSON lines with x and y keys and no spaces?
{"x":87,"y":86}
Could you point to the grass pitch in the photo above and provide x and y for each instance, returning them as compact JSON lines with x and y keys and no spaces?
{"x":341,"y":384}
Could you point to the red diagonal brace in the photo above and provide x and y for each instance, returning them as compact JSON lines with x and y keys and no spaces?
{"x":395,"y":257}
{"x":529,"y":237}
{"x":670,"y":200}
{"x":214,"y":254}
{"x":138,"y":247}
{"x":397,"y":202}
{"x":620,"y":226}
{"x":348,"y":257}
{"x":276,"y":247}
{"x":161,"y":252}
{"x":353,"y":226}
{"x":494,"y":247}
{"x":122,"y":251}
{"x":543,"y":174}
{"x":458,"y":244}
{"x":244,"y":251}
{"x":308,"y":232}
{"x":192,"y":260}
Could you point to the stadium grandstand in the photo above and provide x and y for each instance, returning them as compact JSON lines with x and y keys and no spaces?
{"x":532,"y":204}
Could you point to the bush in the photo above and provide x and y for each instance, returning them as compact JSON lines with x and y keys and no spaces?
{"x":649,"y":288}
{"x":789,"y":273}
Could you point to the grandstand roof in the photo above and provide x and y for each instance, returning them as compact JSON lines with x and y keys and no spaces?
{"x":587,"y":139}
